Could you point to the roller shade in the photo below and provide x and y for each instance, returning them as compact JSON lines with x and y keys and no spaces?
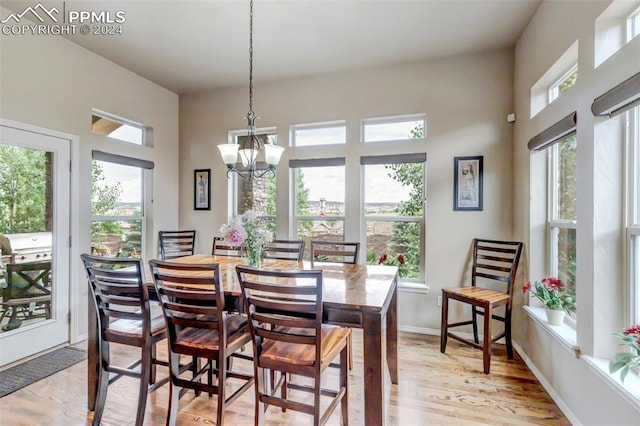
{"x":121,"y":159}
{"x":317,"y":162}
{"x":554,"y":134}
{"x":624,"y":96}
{"x":420,"y":157}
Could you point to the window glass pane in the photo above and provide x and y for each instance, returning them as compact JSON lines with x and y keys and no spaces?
{"x":116,"y":190}
{"x":322,"y":135}
{"x":326,"y":230}
{"x":320,"y":191}
{"x":566,"y":258}
{"x":116,"y":238}
{"x":258,"y":194}
{"x":376,"y":131}
{"x":566,"y":81}
{"x":395,"y":243}
{"x":116,"y":129}
{"x":633,"y":25}
{"x":394,"y":189}
{"x":566,"y":182}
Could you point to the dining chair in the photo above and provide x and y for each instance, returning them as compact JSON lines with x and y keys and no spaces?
{"x":198,"y":326}
{"x":334,"y":252}
{"x":285,"y":321}
{"x":124,"y":316}
{"x":27,"y":294}
{"x":176,"y":243}
{"x":284,"y":249}
{"x":493,"y":275}
{"x":221,"y":248}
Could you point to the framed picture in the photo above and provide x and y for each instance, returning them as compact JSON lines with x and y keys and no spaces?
{"x":467,"y":183}
{"x":202,"y":189}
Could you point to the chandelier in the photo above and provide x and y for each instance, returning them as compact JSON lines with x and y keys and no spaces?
{"x":251,"y":146}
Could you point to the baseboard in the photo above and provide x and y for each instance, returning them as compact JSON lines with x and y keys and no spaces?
{"x":80,"y":338}
{"x":547,"y":386}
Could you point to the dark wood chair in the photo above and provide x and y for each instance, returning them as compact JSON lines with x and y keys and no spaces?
{"x":221,"y":248}
{"x":198,"y":326}
{"x":27,"y":294}
{"x":334,"y":252}
{"x":285,"y":320}
{"x":284,"y":249}
{"x":493,"y":274}
{"x":125,"y":316}
{"x":176,"y":243}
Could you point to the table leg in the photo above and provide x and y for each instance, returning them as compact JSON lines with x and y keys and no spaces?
{"x":373,"y":369}
{"x":392,"y":338}
{"x":92,"y":356}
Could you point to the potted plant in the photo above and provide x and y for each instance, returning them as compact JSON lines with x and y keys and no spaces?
{"x":628,"y":359}
{"x":553,"y":293}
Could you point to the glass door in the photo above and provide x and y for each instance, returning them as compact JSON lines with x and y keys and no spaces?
{"x":34,"y":242}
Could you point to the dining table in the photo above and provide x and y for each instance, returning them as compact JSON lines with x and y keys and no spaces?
{"x":357,"y":296}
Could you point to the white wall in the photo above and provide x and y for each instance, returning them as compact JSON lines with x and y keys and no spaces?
{"x":466,"y":100}
{"x":53,"y":83}
{"x":584,"y":394}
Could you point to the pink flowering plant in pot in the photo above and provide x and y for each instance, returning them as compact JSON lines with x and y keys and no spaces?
{"x":629,"y":359}
{"x":553,"y":293}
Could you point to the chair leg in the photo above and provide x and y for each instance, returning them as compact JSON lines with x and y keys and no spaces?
{"x":145,"y":377}
{"x":507,"y":333}
{"x":174,"y":391}
{"x":152,"y":375}
{"x":350,"y":350}
{"x":344,"y":383}
{"x":444,"y":322}
{"x":486,"y":344}
{"x":474,"y":318}
{"x":259,"y":385}
{"x":103,"y":382}
{"x":222,"y":380}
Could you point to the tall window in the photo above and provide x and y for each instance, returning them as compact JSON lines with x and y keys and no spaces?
{"x":258,"y":194}
{"x":394,"y":212}
{"x":633,"y":25}
{"x":319,"y":199}
{"x":633,"y":215}
{"x":117,"y":206}
{"x":567,"y":80}
{"x":562,"y":214}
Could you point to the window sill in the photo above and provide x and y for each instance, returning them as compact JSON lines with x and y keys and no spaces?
{"x":412,"y":287}
{"x":629,"y":390}
{"x":564,"y":334}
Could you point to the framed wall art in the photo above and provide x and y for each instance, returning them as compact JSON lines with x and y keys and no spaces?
{"x":202,"y":189}
{"x":467,"y":183}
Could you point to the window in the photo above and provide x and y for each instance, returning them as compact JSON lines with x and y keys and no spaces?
{"x":330,"y":133}
{"x":319,"y":199}
{"x":633,"y":25}
{"x":562,"y":214}
{"x":394,"y":212}
{"x":258,"y":194}
{"x":117,"y":128}
{"x":633,"y":216}
{"x":393,"y":128}
{"x":567,"y":80}
{"x":117,"y":206}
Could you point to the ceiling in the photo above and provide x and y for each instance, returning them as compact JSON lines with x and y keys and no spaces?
{"x":189,"y":46}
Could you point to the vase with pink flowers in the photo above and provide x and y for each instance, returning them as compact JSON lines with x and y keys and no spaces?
{"x":247,"y":231}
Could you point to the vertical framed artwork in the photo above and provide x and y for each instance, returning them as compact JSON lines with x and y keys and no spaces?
{"x":202,"y":189}
{"x":467,"y":183}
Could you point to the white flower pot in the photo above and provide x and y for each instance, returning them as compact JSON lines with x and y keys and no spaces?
{"x":554,"y":317}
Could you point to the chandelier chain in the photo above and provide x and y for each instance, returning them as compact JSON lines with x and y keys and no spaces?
{"x":251,"y":58}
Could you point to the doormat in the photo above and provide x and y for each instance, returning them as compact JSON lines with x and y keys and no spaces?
{"x":31,"y":371}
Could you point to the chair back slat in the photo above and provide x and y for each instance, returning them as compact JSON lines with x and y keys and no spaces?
{"x":495,"y":263}
{"x":118,"y":289}
{"x":27,"y":280}
{"x":283,"y":306}
{"x":285,"y":249}
{"x":221,"y":248}
{"x":334,"y":252}
{"x":191,"y":299}
{"x":176,"y":243}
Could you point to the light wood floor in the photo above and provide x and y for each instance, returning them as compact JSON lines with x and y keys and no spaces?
{"x":434,"y":389}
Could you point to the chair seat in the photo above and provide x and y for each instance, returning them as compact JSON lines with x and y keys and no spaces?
{"x":125,"y":328}
{"x":333,"y":340}
{"x":236,"y":327}
{"x":479,"y":295}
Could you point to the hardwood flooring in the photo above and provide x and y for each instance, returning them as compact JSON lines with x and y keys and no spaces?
{"x":433,"y":389}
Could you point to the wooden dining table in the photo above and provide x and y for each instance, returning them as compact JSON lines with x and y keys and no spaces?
{"x":358,"y":296}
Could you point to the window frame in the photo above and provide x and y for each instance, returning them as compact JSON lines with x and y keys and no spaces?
{"x":632,"y":222}
{"x":317,"y":126}
{"x":553,"y":92}
{"x":144,"y":139}
{"x":633,"y":25}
